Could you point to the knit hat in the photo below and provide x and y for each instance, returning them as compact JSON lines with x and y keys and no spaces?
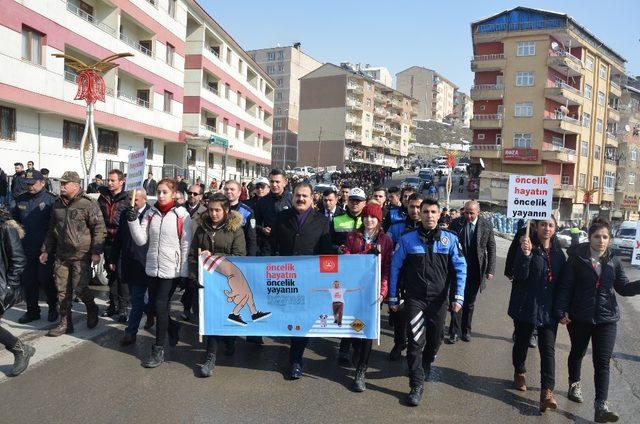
{"x":372,"y":209}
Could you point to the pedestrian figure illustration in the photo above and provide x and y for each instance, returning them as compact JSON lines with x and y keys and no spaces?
{"x":337,"y":300}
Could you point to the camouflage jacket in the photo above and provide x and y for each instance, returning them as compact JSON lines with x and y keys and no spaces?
{"x":76,"y":230}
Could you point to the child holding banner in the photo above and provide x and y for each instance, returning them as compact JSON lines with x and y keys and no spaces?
{"x":220,"y":232}
{"x":371,"y":239}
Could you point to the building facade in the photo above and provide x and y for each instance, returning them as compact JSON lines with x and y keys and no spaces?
{"x":379,"y":73}
{"x":147,"y":102}
{"x":545,"y":104}
{"x":286,"y":65}
{"x":434,"y":92}
{"x":349,"y":120}
{"x":462,"y":109}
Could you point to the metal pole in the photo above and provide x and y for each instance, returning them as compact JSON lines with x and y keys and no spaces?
{"x":286,"y":130}
{"x":226,"y":158}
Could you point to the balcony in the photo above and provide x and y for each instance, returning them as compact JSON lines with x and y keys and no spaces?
{"x":562,"y":124}
{"x":486,"y":121}
{"x":487,"y":92}
{"x":564,"y":191}
{"x":378,"y":128}
{"x":615,"y":90}
{"x":565,"y":63}
{"x":352,"y":135}
{"x":488,"y":62}
{"x":354,"y":87}
{"x":354,"y":103}
{"x":136,"y":44}
{"x":612,"y":140}
{"x":554,"y":153}
{"x":563,"y":93}
{"x":90,"y":18}
{"x":134,"y":100}
{"x":380,"y":112}
{"x":486,"y":151}
{"x":354,"y":120}
{"x":614,"y":114}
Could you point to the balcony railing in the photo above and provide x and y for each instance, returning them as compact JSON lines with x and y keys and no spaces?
{"x":521,"y":26}
{"x":495,"y":56}
{"x":485,"y":147}
{"x":208,"y":127}
{"x":136,"y":45}
{"x":487,"y":87}
{"x":611,"y":135}
{"x":555,"y":148}
{"x":615,"y":85}
{"x":568,"y":55}
{"x":136,"y":101}
{"x":487,"y":117}
{"x":608,"y":190}
{"x":211,"y":89}
{"x":564,"y":86}
{"x":70,"y":76}
{"x":217,"y":54}
{"x":89,"y":18}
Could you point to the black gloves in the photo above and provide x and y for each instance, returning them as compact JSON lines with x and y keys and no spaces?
{"x":131,"y":214}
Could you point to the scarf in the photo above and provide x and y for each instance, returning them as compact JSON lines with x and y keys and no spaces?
{"x":164,"y":208}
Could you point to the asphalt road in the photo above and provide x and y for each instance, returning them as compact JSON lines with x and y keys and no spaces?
{"x":87,"y":377}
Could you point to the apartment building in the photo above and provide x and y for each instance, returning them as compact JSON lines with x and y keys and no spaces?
{"x":145,"y":97}
{"x":378,"y":73}
{"x":462,"y":109}
{"x":349,"y":120}
{"x":433,"y":91}
{"x":544,"y":104}
{"x":286,"y":65}
{"x":627,"y":156}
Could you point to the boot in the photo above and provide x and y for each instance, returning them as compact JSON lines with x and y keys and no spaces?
{"x":519,"y":381}
{"x":61,"y":328}
{"x":92,"y":314}
{"x":547,"y":401}
{"x":22,"y":353}
{"x":156,"y":358}
{"x":110,"y":311}
{"x":28,"y":317}
{"x":209,"y":364}
{"x":415,"y":395}
{"x":358,"y":382}
{"x":603,"y":414}
{"x":575,"y":392}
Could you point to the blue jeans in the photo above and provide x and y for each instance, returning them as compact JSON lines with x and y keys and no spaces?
{"x":138,"y":307}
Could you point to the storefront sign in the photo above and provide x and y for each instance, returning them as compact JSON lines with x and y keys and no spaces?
{"x":520,"y":154}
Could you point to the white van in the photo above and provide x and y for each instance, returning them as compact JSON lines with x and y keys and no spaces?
{"x":624,"y":239}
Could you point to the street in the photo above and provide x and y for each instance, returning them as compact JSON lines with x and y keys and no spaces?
{"x":88,"y":377}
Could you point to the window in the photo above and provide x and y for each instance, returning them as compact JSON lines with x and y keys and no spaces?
{"x":499,"y":139}
{"x":584,"y":148}
{"x":142,"y":98}
{"x":609,"y":180}
{"x":8,"y":123}
{"x":279,"y":82}
{"x":524,"y":79}
{"x":634,"y":154}
{"x":587,"y":91}
{"x":239,"y":166}
{"x":280,"y":54}
{"x":600,"y":98}
{"x":481,"y":136}
{"x":368,"y":102}
{"x":225,"y":126}
{"x":588,"y":62}
{"x":227,"y":91}
{"x":211,"y":160}
{"x":596,"y":182}
{"x":168,"y":97}
{"x":240,"y":65}
{"x":32,"y":45}
{"x":271,"y":70}
{"x":169,"y":54}
{"x":278,"y":96}
{"x":107,"y":141}
{"x":632,"y":178}
{"x":581,"y":180}
{"x":366,"y":134}
{"x":172,"y":8}
{"x":596,"y":152}
{"x":271,"y":56}
{"x":526,"y":48}
{"x":602,"y":71}
{"x":522,"y":140}
{"x":229,"y":56}
{"x":599,"y":125}
{"x":281,"y":68}
{"x":71,"y":134}
{"x":239,"y":98}
{"x":586,"y":119}
{"x":191,"y":157}
{"x":524,"y":109}
{"x":237,"y":130}
{"x":148,"y":144}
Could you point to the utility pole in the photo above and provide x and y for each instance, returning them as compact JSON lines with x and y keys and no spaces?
{"x":319,"y":145}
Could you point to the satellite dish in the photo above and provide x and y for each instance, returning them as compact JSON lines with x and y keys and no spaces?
{"x":627,"y":128}
{"x":555,"y":46}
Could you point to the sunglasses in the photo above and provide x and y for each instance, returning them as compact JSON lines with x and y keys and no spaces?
{"x":193,"y":193}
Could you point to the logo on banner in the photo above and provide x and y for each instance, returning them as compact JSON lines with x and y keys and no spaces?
{"x":357,"y":325}
{"x":329,"y":263}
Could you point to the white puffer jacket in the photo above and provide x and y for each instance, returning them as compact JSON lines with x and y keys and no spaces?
{"x":168,"y":254}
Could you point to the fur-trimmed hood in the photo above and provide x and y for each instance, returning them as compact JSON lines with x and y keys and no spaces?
{"x":233,"y":222}
{"x":14,"y":224}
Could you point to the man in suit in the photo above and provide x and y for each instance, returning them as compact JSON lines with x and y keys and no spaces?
{"x":150,"y":185}
{"x":330,"y":207}
{"x":300,"y":230}
{"x":479,"y":247}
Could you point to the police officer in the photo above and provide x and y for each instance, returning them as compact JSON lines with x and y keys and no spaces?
{"x":428,"y":255}
{"x":76,"y":236}
{"x":260,"y":189}
{"x":232,"y":191}
{"x":33,"y":211}
{"x":268,"y":207}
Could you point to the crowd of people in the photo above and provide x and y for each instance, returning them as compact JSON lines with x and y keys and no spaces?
{"x":434,"y":263}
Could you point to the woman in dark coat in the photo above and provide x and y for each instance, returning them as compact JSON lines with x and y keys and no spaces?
{"x":12,"y":263}
{"x":587,"y":304}
{"x":536,"y":271}
{"x":220,"y":233}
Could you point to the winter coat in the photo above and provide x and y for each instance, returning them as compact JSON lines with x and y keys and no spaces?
{"x":76,"y":230}
{"x":168,"y":251}
{"x":533,"y":293}
{"x":355,"y":244}
{"x":265,"y":212}
{"x":33,"y":212}
{"x":111,"y":207}
{"x":195,"y":215}
{"x":484,"y":261}
{"x":228,"y":239}
{"x":585,"y":296}
{"x":12,"y":262}
{"x":288,"y":239}
{"x":130,"y":258}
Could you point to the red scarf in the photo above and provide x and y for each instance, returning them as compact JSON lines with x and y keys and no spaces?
{"x":164,"y":208}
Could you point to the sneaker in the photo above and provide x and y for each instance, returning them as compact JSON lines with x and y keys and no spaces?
{"x":209,"y":364}
{"x":296,"y":371}
{"x":575,"y":392}
{"x":533,"y":341}
{"x":415,"y":396}
{"x":466,"y":337}
{"x":603,"y":414}
{"x":156,"y":358}
{"x":236,"y":319}
{"x":260,"y":315}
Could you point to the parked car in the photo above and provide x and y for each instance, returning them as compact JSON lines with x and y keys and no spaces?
{"x":564,"y":237}
{"x":443,"y":170}
{"x":322,"y":187}
{"x":440,"y":160}
{"x":414,"y":182}
{"x":304,"y":171}
{"x":460,"y":168}
{"x":624,"y":239}
{"x":426,"y":174}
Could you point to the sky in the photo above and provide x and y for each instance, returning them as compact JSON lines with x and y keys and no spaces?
{"x":398,"y":34}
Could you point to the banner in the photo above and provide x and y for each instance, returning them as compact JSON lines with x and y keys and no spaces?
{"x":530,"y":197}
{"x":299,"y":296}
{"x":136,"y":170}
{"x":635,"y":256}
